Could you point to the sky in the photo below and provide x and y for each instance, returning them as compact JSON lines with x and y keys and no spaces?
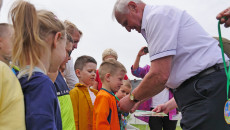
{"x":100,"y":31}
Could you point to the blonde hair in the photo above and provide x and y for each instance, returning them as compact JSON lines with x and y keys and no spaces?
{"x":109,"y":52}
{"x":70,"y":28}
{"x":110,"y":66}
{"x":32,"y":29}
{"x":127,"y":83}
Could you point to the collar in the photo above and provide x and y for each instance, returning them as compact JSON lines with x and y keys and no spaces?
{"x":111,"y":93}
{"x":146,"y":11}
{"x":24,"y":72}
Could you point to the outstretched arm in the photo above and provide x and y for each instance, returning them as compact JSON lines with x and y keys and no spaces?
{"x":137,"y":61}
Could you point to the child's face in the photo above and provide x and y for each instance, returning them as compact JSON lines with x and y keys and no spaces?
{"x":58,"y":54}
{"x":88,"y":74}
{"x":67,"y":58}
{"x":116,"y":80}
{"x":7,"y":46}
{"x":123,"y":91}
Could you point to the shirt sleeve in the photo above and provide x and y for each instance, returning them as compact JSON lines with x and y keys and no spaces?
{"x":75,"y":102}
{"x":162,"y":31}
{"x":101,"y":113}
{"x":140,"y":72}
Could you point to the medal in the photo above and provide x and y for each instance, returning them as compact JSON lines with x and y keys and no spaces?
{"x":227,"y":104}
{"x":227,"y":112}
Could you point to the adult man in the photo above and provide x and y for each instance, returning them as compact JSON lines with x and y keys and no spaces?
{"x":69,"y":73}
{"x":224,"y":13}
{"x":183,"y":57}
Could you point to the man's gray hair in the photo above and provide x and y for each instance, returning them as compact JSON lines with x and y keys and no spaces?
{"x":121,"y":6}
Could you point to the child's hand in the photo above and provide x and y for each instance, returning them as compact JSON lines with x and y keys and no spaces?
{"x":161,"y":108}
{"x":141,"y":52}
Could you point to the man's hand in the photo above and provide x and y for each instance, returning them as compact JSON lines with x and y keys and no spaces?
{"x":225,"y":13}
{"x":126,"y":104}
{"x":135,"y":107}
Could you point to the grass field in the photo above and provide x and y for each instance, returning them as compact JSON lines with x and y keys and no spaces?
{"x":146,"y":127}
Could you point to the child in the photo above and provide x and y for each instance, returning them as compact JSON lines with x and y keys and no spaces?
{"x":107,"y":53}
{"x":105,"y":113}
{"x":6,"y":34}
{"x":39,"y":47}
{"x":122,"y":92}
{"x":125,"y":89}
{"x":64,"y":99}
{"x":82,"y":96}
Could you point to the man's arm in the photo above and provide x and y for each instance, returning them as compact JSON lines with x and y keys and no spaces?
{"x":155,"y":80}
{"x":152,"y":84}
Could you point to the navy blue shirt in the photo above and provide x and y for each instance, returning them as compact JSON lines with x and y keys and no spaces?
{"x":41,"y":103}
{"x":61,"y":86}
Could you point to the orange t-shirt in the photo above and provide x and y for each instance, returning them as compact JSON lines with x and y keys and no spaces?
{"x":105,"y":115}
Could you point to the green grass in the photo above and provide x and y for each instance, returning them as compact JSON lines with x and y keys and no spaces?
{"x":146,"y":127}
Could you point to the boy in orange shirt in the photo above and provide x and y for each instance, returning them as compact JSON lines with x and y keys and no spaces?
{"x":105,"y":113}
{"x":82,"y":96}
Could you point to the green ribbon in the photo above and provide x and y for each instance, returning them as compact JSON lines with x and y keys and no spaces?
{"x":222,"y":51}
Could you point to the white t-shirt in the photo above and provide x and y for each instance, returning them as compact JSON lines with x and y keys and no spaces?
{"x":170,"y":31}
{"x":160,"y":98}
{"x":70,"y":76}
{"x":92,"y":96}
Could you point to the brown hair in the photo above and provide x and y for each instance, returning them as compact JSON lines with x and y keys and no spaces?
{"x":82,"y":60}
{"x":70,"y":28}
{"x":110,"y":66}
{"x":32,"y":28}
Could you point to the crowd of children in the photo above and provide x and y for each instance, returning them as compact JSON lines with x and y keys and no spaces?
{"x":42,"y":99}
{"x":41,"y":88}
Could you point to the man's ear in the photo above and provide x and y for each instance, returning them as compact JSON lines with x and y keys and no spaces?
{"x":107,"y":77}
{"x":57,"y":37}
{"x":78,"y":73}
{"x":132,"y":6}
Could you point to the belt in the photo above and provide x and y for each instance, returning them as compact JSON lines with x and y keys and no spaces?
{"x":203,"y":73}
{"x":210,"y":70}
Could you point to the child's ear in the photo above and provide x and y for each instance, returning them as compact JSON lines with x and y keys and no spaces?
{"x":78,"y":73}
{"x":107,"y":77}
{"x":1,"y":44}
{"x":57,"y":37}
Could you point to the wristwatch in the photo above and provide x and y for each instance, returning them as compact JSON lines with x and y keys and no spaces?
{"x":132,"y":98}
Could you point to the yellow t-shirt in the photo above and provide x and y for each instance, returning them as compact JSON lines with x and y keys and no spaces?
{"x":12,"y":110}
